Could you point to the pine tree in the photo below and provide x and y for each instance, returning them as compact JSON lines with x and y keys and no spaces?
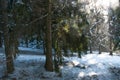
{"x":49,"y":61}
{"x":8,"y":51}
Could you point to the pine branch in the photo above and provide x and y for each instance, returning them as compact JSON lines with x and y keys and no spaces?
{"x":37,"y":19}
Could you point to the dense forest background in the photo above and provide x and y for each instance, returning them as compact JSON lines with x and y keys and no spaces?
{"x":59,"y":28}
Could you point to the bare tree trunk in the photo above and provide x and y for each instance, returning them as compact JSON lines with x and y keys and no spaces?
{"x":26,"y":41}
{"x":111,"y":51}
{"x":110,"y":36}
{"x":49,"y":61}
{"x":44,"y":46}
{"x":14,"y":43}
{"x":0,"y":39}
{"x":9,"y":58}
{"x":1,"y":29}
{"x":99,"y":49}
{"x":90,"y":45}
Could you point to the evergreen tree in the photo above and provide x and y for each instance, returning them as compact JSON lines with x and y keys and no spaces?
{"x":7,"y":38}
{"x":49,"y":60}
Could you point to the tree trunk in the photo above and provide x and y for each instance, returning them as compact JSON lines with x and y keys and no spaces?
{"x":14,"y":43}
{"x":90,"y":44}
{"x":49,"y":61}
{"x":111,"y":51}
{"x":26,"y":41}
{"x":44,"y":47}
{"x":0,"y":39}
{"x":79,"y":54}
{"x":9,"y":58}
{"x":99,"y":49}
{"x":1,"y":29}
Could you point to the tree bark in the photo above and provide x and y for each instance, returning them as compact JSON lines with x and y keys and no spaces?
{"x":9,"y":58}
{"x":0,"y":39}
{"x":26,"y":41}
{"x":90,"y":45}
{"x":14,"y":43}
{"x":99,"y":49}
{"x":49,"y":60}
{"x":1,"y":29}
{"x":111,"y":51}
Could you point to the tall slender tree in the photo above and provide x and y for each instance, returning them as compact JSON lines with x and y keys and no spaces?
{"x":49,"y":61}
{"x":0,"y":26}
{"x":0,"y":39}
{"x":8,"y":52}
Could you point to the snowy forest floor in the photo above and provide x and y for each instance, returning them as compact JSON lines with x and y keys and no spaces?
{"x":89,"y":67}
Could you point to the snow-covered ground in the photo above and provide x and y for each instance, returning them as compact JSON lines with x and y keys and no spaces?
{"x":24,"y":50}
{"x":30,"y":49}
{"x":93,"y":67}
{"x":89,"y":67}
